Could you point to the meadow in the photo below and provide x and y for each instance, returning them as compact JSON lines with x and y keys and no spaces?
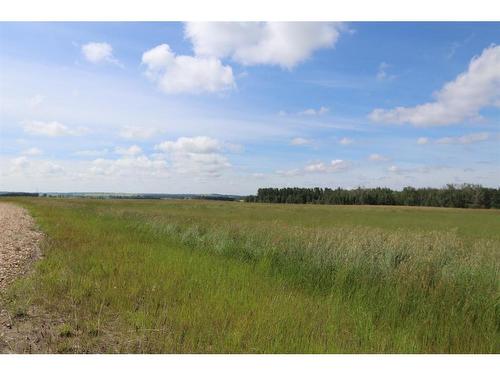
{"x":166,"y":276}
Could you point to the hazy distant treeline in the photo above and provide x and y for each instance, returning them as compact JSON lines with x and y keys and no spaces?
{"x":17,"y":194}
{"x":460,"y":196}
{"x":218,"y":197}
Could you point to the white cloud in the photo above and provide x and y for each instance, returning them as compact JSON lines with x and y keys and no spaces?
{"x":394,"y":169}
{"x":300,"y":141}
{"x":378,"y":157}
{"x":130,"y":151}
{"x":92,"y":152}
{"x":201,"y":156}
{"x":36,"y":100}
{"x":422,"y":140}
{"x":314,"y":112}
{"x":19,"y":164}
{"x":98,"y":53}
{"x":382,"y":74}
{"x":51,"y":129}
{"x":33,"y":151}
{"x":465,"y":139}
{"x":68,"y":175}
{"x":252,"y":43}
{"x":458,"y":100}
{"x":289,"y":172}
{"x":129,"y":165}
{"x":43,"y":168}
{"x":316,"y":167}
{"x":51,"y":169}
{"x":336,"y":165}
{"x":186,"y":74}
{"x":137,"y":132}
{"x":201,"y":164}
{"x":199,"y":145}
{"x":346,"y":141}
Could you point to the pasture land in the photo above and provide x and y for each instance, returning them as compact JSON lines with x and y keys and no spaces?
{"x":228,"y":277}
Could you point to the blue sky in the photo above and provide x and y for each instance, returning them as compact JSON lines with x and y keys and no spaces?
{"x":227,"y":108}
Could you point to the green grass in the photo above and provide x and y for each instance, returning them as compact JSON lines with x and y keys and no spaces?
{"x":212,"y":277}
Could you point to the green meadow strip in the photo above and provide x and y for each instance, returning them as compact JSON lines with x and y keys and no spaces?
{"x":180,"y":277}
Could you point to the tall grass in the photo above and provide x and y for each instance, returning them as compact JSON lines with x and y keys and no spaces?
{"x":436,"y":284}
{"x":150,"y":278}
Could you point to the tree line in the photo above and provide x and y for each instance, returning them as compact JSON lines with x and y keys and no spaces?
{"x":17,"y":194}
{"x":460,"y":196}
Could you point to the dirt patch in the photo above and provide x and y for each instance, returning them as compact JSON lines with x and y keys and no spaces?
{"x":19,"y":241}
{"x":20,"y":331}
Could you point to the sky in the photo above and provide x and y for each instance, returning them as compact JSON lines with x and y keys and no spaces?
{"x":230,"y":107}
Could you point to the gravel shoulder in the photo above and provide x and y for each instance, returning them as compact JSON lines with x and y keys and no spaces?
{"x":19,"y":248}
{"x":19,"y":241}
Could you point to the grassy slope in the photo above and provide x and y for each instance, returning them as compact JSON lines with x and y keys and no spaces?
{"x":150,"y":276}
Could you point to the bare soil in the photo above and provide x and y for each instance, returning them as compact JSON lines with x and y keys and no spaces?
{"x":19,"y":241}
{"x":25,"y":330}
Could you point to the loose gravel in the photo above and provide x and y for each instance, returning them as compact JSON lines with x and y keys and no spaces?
{"x":19,"y":241}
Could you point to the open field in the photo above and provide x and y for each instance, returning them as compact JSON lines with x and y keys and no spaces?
{"x":211,"y":277}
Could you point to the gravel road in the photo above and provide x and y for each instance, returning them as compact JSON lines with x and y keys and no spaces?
{"x":18,"y":242}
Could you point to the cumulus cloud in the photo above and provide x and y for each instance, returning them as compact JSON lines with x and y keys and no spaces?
{"x":461,"y":140}
{"x":18,"y":164}
{"x":465,"y":139}
{"x":135,"y":165}
{"x":132,"y":162}
{"x":129,"y":167}
{"x":96,"y":53}
{"x":285,"y":44}
{"x":314,"y":112}
{"x":197,"y":145}
{"x":316,"y":167}
{"x":186,"y":74}
{"x":378,"y":157}
{"x":458,"y":100}
{"x":129,"y":151}
{"x":201,"y":164}
{"x":51,"y":129}
{"x":26,"y":167}
{"x":336,"y":165}
{"x":300,"y":141}
{"x":201,"y":156}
